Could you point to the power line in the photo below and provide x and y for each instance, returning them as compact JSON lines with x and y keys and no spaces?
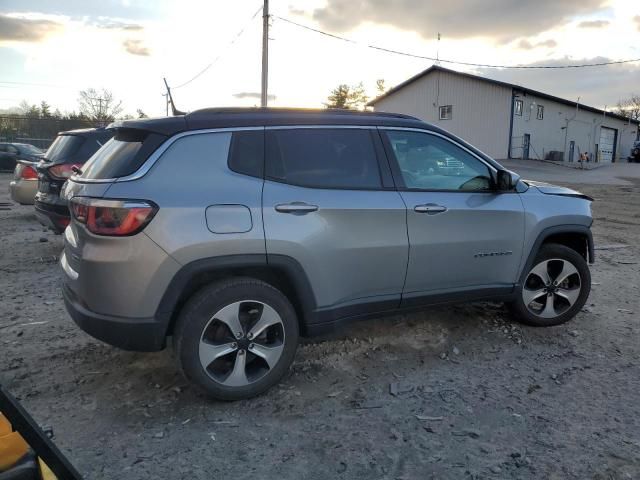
{"x":35,"y":84}
{"x":469,"y":64}
{"x":235,"y":38}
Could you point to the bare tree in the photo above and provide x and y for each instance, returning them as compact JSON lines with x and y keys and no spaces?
{"x":99,"y":105}
{"x":629,"y":107}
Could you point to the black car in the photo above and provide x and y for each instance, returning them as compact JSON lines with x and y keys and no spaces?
{"x":635,"y":153}
{"x":65,"y":156}
{"x":11,"y":153}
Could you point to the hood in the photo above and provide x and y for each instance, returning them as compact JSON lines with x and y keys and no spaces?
{"x":549,"y":189}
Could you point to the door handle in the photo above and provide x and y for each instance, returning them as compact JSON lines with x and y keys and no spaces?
{"x":430,"y":209}
{"x":296,"y":207}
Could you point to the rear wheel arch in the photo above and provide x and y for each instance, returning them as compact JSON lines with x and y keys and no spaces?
{"x":281,"y":272}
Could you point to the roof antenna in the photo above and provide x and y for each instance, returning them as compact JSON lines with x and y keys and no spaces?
{"x":174,"y":111}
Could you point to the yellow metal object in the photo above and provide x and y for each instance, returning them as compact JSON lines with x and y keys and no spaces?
{"x":45,"y":472}
{"x":12,"y":445}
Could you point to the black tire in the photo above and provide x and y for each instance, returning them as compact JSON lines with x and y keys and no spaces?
{"x":553,"y":251}
{"x":195,"y":317}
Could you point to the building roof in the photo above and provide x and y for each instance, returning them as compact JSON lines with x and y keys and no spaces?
{"x":436,"y":68}
{"x":247,"y":117}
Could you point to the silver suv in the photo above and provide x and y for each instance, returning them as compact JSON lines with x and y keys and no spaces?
{"x":237,"y":231}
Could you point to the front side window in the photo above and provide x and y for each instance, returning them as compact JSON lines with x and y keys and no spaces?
{"x":322,"y":158}
{"x":518,"y":107}
{"x":540,"y":114}
{"x":446,"y":112}
{"x":430,"y":162}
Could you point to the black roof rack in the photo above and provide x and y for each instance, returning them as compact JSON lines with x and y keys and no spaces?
{"x":213,"y":118}
{"x":295,"y":111}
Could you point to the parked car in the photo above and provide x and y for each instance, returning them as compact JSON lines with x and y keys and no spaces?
{"x":69,"y":151}
{"x":237,"y":231}
{"x":11,"y":153}
{"x":24,"y":186}
{"x":635,"y":153}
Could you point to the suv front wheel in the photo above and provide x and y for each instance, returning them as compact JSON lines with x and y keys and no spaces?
{"x":237,"y":338}
{"x":554,"y":289}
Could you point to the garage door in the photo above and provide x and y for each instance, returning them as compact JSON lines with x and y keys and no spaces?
{"x":607,"y":144}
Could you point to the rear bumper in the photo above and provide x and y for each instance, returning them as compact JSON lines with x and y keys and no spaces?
{"x":137,"y":334}
{"x":23,"y":191}
{"x":55,"y":217}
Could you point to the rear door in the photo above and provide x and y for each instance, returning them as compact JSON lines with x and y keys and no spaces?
{"x":329,"y":203}
{"x":463,"y":235}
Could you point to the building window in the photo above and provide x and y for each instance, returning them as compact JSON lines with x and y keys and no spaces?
{"x":540,"y":114}
{"x":446,"y":112}
{"x":518,"y":107}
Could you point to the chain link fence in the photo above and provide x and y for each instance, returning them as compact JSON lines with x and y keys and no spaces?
{"x":40,"y":132}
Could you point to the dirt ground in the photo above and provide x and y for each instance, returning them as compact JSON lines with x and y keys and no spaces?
{"x":452,"y":393}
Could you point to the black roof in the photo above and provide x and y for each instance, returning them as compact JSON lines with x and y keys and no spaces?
{"x":249,"y":117}
{"x":436,"y":68}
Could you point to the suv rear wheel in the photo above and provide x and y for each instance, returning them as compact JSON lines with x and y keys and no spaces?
{"x":237,"y":338}
{"x":554,"y":289}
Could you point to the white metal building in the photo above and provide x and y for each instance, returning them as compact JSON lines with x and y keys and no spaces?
{"x":510,"y":121}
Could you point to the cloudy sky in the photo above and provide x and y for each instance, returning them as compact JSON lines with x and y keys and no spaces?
{"x":51,"y":50}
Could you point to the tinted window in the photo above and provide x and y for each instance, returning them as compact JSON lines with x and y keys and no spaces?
{"x":246,"y":154}
{"x":28,"y":148}
{"x":63,"y":146}
{"x":323,"y":158}
{"x":429,"y":162}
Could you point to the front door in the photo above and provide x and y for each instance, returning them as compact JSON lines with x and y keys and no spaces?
{"x":326,"y":206}
{"x":572,"y":150}
{"x":526,"y":142}
{"x":463,"y":235}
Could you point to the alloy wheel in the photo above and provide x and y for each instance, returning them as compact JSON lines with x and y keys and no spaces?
{"x":551,"y":288}
{"x":241,"y":343}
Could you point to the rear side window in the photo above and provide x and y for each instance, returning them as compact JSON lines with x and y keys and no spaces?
{"x":122,"y":155}
{"x":64,"y":146}
{"x":246,"y":154}
{"x":322,"y":158}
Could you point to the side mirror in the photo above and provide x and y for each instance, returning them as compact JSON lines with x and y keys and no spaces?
{"x":506,"y":180}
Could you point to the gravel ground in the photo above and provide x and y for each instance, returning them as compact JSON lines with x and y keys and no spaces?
{"x":455,"y":392}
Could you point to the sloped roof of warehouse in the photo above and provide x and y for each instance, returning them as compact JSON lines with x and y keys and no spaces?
{"x":436,"y":68}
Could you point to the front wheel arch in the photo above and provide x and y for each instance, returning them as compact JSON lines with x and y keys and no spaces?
{"x":576,"y":237}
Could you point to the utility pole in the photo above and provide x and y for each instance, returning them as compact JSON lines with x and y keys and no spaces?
{"x":100,"y":115}
{"x":166,"y":102}
{"x":265,"y":54}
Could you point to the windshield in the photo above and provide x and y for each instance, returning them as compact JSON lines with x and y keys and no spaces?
{"x":63,"y":146}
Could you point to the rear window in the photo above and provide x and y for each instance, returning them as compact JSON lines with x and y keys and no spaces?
{"x":323,"y":158}
{"x":246,"y":154}
{"x":63,"y":147}
{"x":122,"y":155}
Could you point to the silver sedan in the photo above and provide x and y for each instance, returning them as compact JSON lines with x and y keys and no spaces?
{"x":24,"y":186}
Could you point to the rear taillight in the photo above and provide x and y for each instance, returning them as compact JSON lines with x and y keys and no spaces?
{"x":25,"y":172}
{"x":116,"y":218}
{"x":64,"y":170}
